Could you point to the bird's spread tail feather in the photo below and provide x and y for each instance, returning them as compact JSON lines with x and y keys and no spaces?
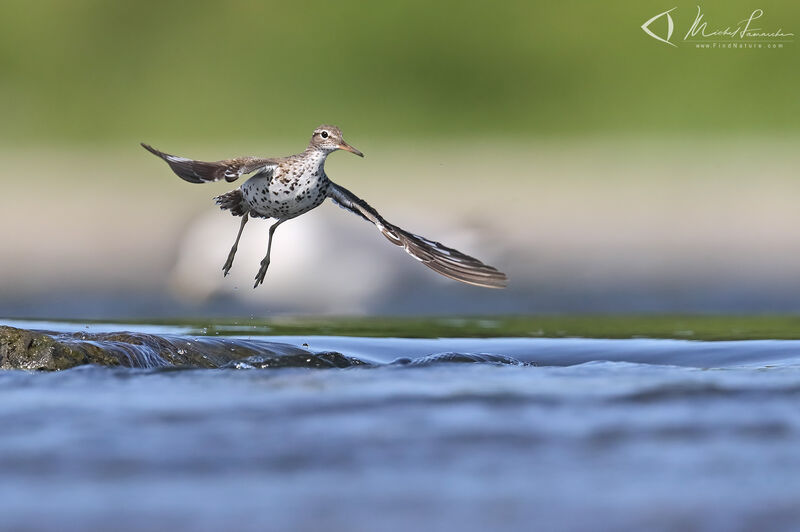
{"x":232,"y":201}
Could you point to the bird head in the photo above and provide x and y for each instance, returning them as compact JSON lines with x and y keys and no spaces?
{"x":329,"y":139}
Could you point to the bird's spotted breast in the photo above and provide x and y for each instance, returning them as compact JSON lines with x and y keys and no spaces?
{"x":293,"y":190}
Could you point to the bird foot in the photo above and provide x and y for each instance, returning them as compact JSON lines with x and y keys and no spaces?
{"x":226,"y":268}
{"x":262,"y":272}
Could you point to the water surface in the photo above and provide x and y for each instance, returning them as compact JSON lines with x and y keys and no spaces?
{"x":429,"y":433}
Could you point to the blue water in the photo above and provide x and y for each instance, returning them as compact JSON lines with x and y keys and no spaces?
{"x":538,"y":434}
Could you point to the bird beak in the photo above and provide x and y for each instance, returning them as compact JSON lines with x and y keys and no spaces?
{"x":346,"y":146}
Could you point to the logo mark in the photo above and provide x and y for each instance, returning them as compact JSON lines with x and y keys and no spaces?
{"x":670,"y":27}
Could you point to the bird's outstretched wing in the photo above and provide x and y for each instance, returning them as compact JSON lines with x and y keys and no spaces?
{"x":441,"y":259}
{"x":205,"y":172}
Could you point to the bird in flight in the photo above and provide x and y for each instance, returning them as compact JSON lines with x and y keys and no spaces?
{"x":282,"y":188}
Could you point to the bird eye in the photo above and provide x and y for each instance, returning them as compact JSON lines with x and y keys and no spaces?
{"x":324,"y":134}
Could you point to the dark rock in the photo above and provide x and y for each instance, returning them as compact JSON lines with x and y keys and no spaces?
{"x":23,"y":349}
{"x":41,"y":350}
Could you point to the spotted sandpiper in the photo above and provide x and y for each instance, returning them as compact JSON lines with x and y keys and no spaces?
{"x":283,"y":188}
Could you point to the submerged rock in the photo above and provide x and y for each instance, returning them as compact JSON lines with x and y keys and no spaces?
{"x":50,"y":351}
{"x":461,"y":358}
{"x":326,"y":359}
{"x":41,"y":350}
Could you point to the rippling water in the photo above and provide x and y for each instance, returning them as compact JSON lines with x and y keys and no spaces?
{"x":426,"y":434}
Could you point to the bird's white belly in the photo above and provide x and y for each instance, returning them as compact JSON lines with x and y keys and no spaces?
{"x":276,"y":198}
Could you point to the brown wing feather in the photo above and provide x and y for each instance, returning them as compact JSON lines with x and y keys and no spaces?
{"x":205,"y":172}
{"x":436,"y":256}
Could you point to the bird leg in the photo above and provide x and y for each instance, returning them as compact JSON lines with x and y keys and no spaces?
{"x":265,"y":262}
{"x":228,"y":263}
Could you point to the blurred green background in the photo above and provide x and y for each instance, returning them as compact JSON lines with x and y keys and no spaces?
{"x":603,"y":170}
{"x":102,"y":71}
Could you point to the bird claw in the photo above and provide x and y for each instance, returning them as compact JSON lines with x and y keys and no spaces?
{"x":262,"y":272}
{"x":260,"y":277}
{"x":226,"y":268}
